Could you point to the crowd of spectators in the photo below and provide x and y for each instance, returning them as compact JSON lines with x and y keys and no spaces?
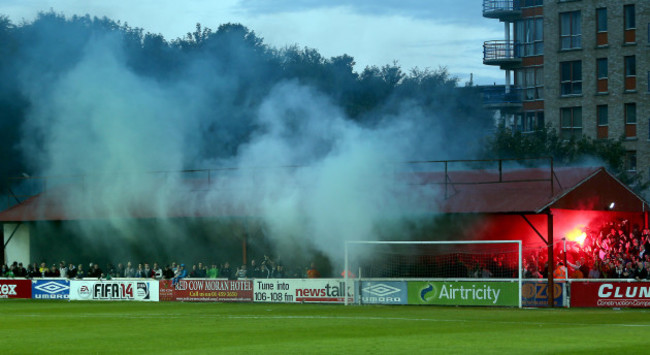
{"x":611,"y":250}
{"x":266,"y":268}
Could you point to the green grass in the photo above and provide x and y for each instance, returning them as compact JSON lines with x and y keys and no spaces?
{"x":58,"y":327}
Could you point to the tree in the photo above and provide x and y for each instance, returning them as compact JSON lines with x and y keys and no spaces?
{"x":505,"y":144}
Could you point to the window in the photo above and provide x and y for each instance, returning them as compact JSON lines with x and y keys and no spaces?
{"x":570,"y":30}
{"x":630,"y":72}
{"x":571,"y":122}
{"x":601,"y":67}
{"x":529,"y":121}
{"x":571,"y":78}
{"x":601,"y":75}
{"x":630,"y":160}
{"x":601,"y":19}
{"x":602,"y":113}
{"x":630,"y":120}
{"x":531,"y":80}
{"x":630,"y":113}
{"x":628,"y":17}
{"x":529,"y":37}
{"x":601,"y":26}
{"x":630,"y":66}
{"x":629,"y":24}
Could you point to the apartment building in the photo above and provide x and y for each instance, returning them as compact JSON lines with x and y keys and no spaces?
{"x":581,"y":65}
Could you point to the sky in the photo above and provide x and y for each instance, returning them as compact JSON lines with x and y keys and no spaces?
{"x":415,"y":33}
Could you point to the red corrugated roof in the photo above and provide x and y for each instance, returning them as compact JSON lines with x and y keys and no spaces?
{"x":529,"y":191}
{"x":477,"y":191}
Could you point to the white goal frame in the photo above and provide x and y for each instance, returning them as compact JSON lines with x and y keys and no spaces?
{"x":447,"y":242}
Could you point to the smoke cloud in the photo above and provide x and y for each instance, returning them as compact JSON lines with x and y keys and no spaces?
{"x":301,"y":173}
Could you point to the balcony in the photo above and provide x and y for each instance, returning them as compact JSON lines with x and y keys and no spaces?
{"x":504,"y":10}
{"x":496,"y":97}
{"x":503,"y":53}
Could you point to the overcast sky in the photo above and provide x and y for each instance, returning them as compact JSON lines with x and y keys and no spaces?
{"x":375,"y":32}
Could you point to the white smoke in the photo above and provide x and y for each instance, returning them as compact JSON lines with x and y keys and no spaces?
{"x":313,"y":177}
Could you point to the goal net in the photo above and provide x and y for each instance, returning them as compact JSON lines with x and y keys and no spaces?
{"x":461,"y":272}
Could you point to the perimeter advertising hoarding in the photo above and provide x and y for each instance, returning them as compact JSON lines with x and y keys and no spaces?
{"x":111,"y":290}
{"x":610,"y":294}
{"x":15,"y":289}
{"x":464,"y":293}
{"x":534,"y":294}
{"x":383,"y":292}
{"x":302,"y":291}
{"x":51,"y":289}
{"x":201,"y":290}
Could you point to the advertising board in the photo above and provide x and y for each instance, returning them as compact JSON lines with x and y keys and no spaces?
{"x":610,"y":294}
{"x":383,"y":292}
{"x":51,"y":289}
{"x":10,"y":288}
{"x":534,"y":294}
{"x":210,"y":290}
{"x":302,"y":291}
{"x":463,"y":293}
{"x":112,"y":290}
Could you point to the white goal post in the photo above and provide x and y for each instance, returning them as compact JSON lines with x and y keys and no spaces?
{"x":434,"y":261}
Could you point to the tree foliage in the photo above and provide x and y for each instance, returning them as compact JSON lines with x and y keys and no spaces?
{"x":611,"y":153}
{"x":235,"y":70}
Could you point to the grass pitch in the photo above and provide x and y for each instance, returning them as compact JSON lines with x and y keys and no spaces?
{"x":60,"y":327}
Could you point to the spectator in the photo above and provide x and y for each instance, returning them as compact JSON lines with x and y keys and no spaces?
{"x":63,"y":269}
{"x":594,"y":271}
{"x":31,"y":272}
{"x":640,"y":272}
{"x":312,"y":272}
{"x":72,"y":271}
{"x":193,"y":273}
{"x":139,"y":272}
{"x":20,"y":271}
{"x":242,"y":272}
{"x":81,"y":273}
{"x":263,"y":272}
{"x":52,"y":272}
{"x":119,"y":271}
{"x":42,"y":269}
{"x":168,"y":273}
{"x":6,"y":272}
{"x":278,"y":272}
{"x":254,"y":269}
{"x":201,"y":272}
{"x":129,"y":271}
{"x":146,"y":271}
{"x":180,"y":274}
{"x":226,"y":271}
{"x":96,"y":271}
{"x":213,"y":272}
{"x":156,"y":272}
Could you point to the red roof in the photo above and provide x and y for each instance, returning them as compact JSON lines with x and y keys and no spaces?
{"x":530,"y":191}
{"x":523,"y":191}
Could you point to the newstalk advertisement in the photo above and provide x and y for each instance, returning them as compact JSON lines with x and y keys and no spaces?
{"x":302,"y":291}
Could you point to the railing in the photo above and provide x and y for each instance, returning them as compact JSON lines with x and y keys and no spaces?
{"x":494,"y":95}
{"x":500,"y":50}
{"x":500,"y":6}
